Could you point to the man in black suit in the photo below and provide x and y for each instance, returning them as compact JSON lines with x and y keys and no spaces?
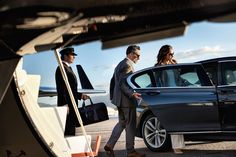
{"x":63,"y":98}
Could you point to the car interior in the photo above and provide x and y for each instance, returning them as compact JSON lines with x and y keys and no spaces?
{"x":230,"y":77}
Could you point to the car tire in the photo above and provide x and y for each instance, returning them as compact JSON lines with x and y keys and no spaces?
{"x":155,"y":135}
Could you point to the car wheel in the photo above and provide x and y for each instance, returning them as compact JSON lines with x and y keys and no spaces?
{"x":155,"y":136}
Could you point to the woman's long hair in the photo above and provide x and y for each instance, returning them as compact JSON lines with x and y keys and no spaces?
{"x":164,"y":50}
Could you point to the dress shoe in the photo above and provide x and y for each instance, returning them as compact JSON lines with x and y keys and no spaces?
{"x":109,"y":151}
{"x":135,"y":154}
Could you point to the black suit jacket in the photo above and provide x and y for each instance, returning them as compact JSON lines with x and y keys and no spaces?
{"x":63,"y":97}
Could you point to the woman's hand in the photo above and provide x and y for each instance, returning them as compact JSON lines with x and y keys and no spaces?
{"x":173,"y":61}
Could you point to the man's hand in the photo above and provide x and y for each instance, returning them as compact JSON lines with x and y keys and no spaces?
{"x":137,"y":95}
{"x":68,"y":110}
{"x":85,"y":97}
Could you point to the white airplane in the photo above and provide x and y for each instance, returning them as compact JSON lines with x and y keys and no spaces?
{"x":32,"y":26}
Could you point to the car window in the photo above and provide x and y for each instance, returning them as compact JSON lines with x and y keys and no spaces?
{"x":171,"y":76}
{"x":143,"y":80}
{"x":211,"y":70}
{"x":229,"y":73}
{"x":179,"y":77}
{"x":166,"y":78}
{"x":192,"y":78}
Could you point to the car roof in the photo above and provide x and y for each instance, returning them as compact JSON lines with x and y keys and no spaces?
{"x":161,"y":66}
{"x":217,"y":59}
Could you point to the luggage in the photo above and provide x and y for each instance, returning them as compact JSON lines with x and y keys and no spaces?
{"x":93,"y":113}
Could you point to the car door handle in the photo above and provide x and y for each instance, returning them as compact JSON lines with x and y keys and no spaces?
{"x":227,"y":90}
{"x":153,"y":93}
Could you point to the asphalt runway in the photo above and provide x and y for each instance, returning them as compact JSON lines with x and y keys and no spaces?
{"x":196,"y":149}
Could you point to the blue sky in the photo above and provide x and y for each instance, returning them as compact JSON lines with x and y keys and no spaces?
{"x":201,"y":41}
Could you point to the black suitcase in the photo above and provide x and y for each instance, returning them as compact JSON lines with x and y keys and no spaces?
{"x":93,"y":113}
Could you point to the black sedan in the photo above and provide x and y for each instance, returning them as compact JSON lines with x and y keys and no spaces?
{"x":197,"y":100}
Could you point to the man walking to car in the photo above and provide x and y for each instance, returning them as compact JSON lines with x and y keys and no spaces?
{"x":126,"y":100}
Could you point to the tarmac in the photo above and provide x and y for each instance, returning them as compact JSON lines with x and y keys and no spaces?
{"x":192,"y":149}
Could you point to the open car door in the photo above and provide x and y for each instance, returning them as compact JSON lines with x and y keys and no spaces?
{"x":181,"y":96}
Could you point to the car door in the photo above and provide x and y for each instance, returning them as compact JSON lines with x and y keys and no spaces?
{"x":227,"y":94}
{"x":181,"y":96}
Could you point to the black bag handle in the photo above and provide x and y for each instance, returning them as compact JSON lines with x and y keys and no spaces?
{"x":91,"y":102}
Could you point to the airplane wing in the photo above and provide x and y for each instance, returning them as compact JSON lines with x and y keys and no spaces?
{"x":47,"y":91}
{"x":52,"y":91}
{"x":87,"y":87}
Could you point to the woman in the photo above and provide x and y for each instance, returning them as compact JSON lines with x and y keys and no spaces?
{"x":165,"y":56}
